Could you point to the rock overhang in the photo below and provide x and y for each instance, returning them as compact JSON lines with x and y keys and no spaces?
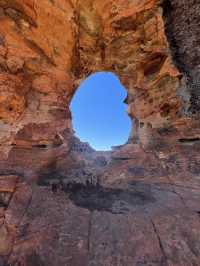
{"x":47,"y":49}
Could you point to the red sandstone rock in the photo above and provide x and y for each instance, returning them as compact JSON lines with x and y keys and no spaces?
{"x":8,"y":183}
{"x":138,"y":205}
{"x":50,"y":57}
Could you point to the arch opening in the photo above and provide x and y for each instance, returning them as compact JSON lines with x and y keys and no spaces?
{"x":99,"y":114}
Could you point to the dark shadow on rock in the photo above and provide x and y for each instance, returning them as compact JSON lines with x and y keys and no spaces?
{"x":34,"y":260}
{"x":114,"y":200}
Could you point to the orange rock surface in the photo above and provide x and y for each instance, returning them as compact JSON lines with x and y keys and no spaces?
{"x":49,"y":47}
{"x":62,"y":203}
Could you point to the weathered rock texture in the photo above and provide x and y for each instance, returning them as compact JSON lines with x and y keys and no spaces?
{"x":62,"y":203}
{"x":48,"y":47}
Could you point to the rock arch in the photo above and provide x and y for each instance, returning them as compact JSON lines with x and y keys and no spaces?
{"x":151,"y":185}
{"x":44,"y":59}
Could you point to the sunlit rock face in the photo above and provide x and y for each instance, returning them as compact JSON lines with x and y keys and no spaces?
{"x":145,"y":196}
{"x":47,"y":48}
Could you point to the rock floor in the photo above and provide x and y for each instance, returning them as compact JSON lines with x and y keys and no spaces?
{"x":122,"y":220}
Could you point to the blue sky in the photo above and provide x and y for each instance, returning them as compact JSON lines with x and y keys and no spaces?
{"x":98,"y":113}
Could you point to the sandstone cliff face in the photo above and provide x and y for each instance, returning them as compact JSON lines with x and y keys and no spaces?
{"x":133,"y":212}
{"x":48,"y":47}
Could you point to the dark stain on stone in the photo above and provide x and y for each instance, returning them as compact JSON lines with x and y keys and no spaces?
{"x":165,"y":110}
{"x":3,"y":261}
{"x":17,"y":15}
{"x":34,"y":260}
{"x":4,"y":199}
{"x":182,"y":30}
{"x":121,"y":158}
{"x":169,"y":31}
{"x":137,"y":171}
{"x":154,"y":64}
{"x":194,"y":166}
{"x":189,"y":140}
{"x":167,"y":131}
{"x":39,"y":50}
{"x":198,"y":213}
{"x":191,"y":243}
{"x":114,"y":200}
{"x":125,"y":24}
{"x":2,"y":40}
{"x":40,"y":146}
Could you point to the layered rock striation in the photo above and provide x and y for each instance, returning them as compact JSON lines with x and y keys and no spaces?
{"x":47,"y":48}
{"x":62,"y":203}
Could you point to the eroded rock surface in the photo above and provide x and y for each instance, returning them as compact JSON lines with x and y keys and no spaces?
{"x":61,"y":202}
{"x":132,"y":211}
{"x":48,"y":47}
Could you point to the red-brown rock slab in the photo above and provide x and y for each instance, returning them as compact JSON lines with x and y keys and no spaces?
{"x":61,"y":202}
{"x":6,"y":240}
{"x":118,"y":229}
{"x":8,"y":183}
{"x":18,"y":205}
{"x":47,"y":49}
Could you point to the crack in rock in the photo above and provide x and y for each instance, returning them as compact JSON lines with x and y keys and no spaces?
{"x":164,"y":261}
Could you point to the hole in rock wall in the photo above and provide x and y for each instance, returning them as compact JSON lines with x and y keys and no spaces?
{"x":99,"y":114}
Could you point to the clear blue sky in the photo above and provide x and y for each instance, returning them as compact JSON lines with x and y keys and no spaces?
{"x":98,"y":112}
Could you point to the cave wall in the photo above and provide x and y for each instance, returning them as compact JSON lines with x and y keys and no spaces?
{"x":48,"y":47}
{"x":182,"y":29}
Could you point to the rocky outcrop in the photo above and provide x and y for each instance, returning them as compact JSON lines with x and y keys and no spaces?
{"x":47,"y":48}
{"x":138,"y":213}
{"x":62,"y":203}
{"x":182,"y":31}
